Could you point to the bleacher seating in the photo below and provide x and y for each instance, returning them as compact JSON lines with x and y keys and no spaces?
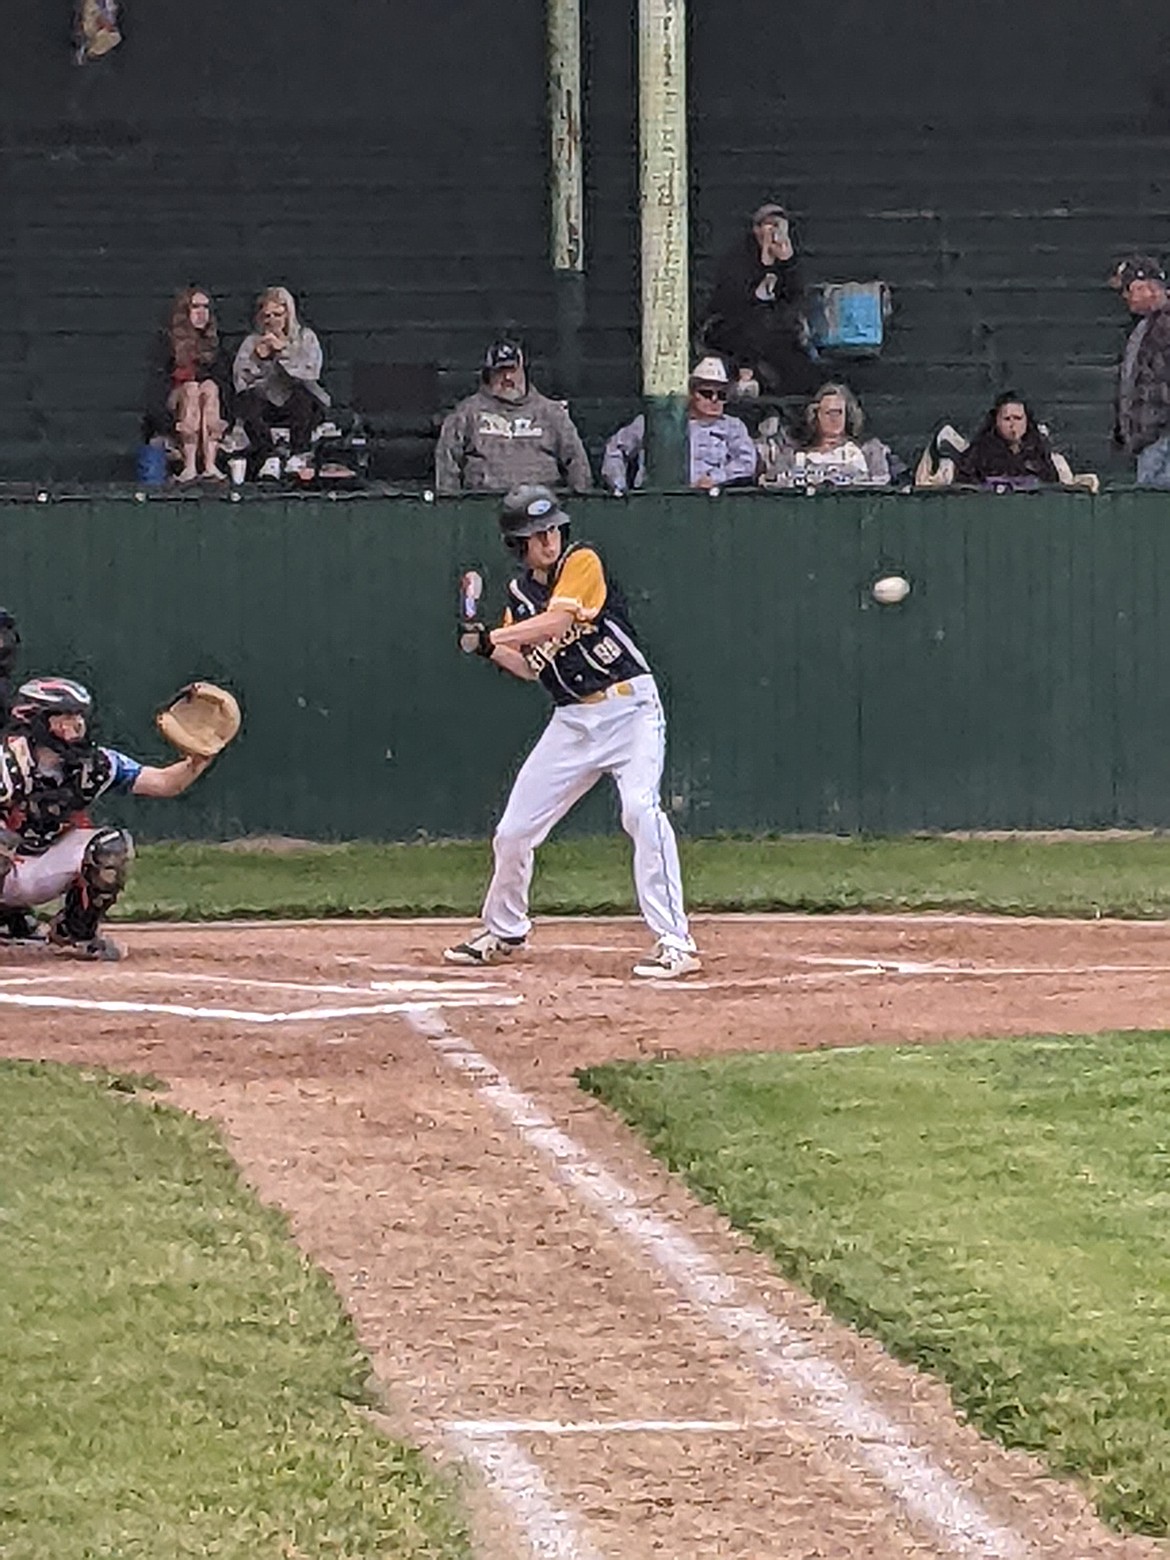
{"x":996,"y":260}
{"x":99,"y":237}
{"x":998,"y":280}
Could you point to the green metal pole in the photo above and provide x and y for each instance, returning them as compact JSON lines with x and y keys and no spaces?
{"x":567,"y":187}
{"x":662,"y":125}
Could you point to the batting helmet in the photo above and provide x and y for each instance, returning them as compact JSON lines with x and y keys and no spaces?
{"x":38,"y":700}
{"x":527,"y":510}
{"x":52,"y":696}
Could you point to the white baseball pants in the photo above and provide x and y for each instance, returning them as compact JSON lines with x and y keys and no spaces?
{"x":35,"y":880}
{"x":623,"y":735}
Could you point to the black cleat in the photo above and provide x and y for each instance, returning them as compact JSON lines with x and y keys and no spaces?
{"x":487,"y":948}
{"x":20,"y":926}
{"x":97,"y":948}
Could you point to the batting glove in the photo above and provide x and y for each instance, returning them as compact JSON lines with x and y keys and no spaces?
{"x":475,"y":639}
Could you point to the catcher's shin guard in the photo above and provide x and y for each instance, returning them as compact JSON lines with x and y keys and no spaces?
{"x":95,"y":889}
{"x":16,"y":924}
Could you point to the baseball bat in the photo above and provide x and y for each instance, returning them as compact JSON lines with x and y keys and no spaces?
{"x":470,"y":590}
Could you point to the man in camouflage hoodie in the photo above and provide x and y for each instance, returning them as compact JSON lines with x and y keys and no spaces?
{"x":1143,"y":389}
{"x":508,"y":434}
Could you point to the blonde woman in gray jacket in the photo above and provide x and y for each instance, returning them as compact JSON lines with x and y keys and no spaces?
{"x":277,"y":376}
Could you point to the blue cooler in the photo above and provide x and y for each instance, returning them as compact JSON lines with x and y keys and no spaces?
{"x":151,"y":465}
{"x":848,"y":319}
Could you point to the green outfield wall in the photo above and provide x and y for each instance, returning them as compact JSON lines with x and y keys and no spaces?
{"x":1024,"y":683}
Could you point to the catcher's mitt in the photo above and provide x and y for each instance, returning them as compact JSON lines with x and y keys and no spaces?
{"x":200,"y":720}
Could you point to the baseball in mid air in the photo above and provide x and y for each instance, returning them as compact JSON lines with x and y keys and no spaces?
{"x":891,"y":589}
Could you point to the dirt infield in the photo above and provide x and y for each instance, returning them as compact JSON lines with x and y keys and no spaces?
{"x":537,"y":1296}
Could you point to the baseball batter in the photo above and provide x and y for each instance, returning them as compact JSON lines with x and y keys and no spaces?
{"x":51,"y":772}
{"x":567,"y":627}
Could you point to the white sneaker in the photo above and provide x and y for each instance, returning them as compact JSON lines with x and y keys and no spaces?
{"x":950,"y":442}
{"x":295,"y":464}
{"x":270,"y":470}
{"x":668,"y":963}
{"x":487,"y":948}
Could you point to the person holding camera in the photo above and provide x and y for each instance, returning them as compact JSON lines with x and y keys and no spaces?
{"x":755,"y":317}
{"x":277,"y":375}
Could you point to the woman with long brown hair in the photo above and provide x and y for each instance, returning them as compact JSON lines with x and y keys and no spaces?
{"x":192,"y":385}
{"x":827,"y":447}
{"x":1011,"y":450}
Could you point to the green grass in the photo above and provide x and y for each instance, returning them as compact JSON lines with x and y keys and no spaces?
{"x":998,"y":1213}
{"x":177,"y":1380}
{"x":1122,"y":877}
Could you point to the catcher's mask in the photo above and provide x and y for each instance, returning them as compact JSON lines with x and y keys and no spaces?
{"x":42,"y":697}
{"x":528,"y":510}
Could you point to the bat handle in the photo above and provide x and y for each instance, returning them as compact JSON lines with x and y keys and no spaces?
{"x":471,"y":589}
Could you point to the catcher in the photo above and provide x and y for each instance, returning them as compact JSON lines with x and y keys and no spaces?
{"x":51,"y":773}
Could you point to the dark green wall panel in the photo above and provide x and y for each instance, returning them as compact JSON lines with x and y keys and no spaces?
{"x":1025,"y":683}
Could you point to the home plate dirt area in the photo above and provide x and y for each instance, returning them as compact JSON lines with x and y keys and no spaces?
{"x":542,"y":1303}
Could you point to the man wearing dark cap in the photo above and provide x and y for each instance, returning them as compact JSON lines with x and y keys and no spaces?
{"x":755,"y":316}
{"x":1143,"y":388}
{"x":507,"y":434}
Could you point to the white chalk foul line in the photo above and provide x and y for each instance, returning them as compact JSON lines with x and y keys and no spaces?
{"x":778,"y":1351}
{"x":518,"y":1483}
{"x":316,"y":1015}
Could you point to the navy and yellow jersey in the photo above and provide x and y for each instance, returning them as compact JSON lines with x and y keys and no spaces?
{"x":598,"y":649}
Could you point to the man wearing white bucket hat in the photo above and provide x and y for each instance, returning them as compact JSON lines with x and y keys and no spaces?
{"x":722,"y":453}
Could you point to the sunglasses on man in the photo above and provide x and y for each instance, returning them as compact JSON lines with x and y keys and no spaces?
{"x":711,"y":392}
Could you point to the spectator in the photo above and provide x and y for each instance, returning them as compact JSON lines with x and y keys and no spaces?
{"x":827,"y":447}
{"x":95,"y":29}
{"x":755,"y":317}
{"x":1143,"y":389}
{"x":190,"y":386}
{"x":278,"y":384}
{"x":721,"y":450}
{"x":508,"y":434}
{"x":1010,"y":451}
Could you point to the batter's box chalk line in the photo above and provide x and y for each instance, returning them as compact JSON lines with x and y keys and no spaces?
{"x":421,"y":986}
{"x":970,"y":970}
{"x":855,"y":1428}
{"x":311,"y":1015}
{"x":487,"y":1429}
